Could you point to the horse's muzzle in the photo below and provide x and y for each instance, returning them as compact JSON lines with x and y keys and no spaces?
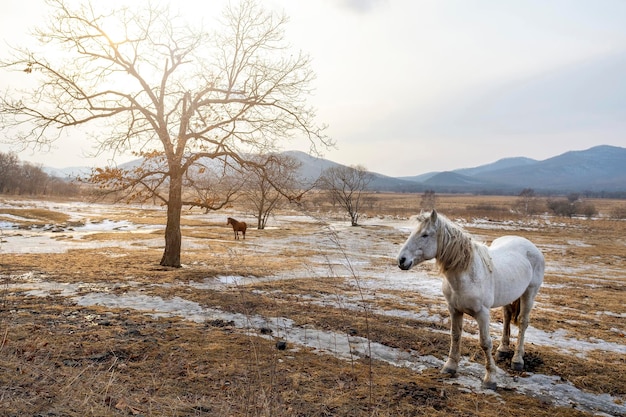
{"x":404,"y":263}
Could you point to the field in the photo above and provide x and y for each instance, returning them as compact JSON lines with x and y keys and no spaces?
{"x":309,"y":317}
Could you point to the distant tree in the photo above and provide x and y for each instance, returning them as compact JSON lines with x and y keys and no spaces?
{"x":572,"y":205}
{"x":429,"y":200}
{"x":178,"y":94}
{"x":618,"y":212}
{"x":527,"y":203}
{"x":33,"y":179}
{"x":61,"y":187}
{"x":573,"y":197}
{"x":18,"y":177}
{"x":346,"y":186}
{"x":9,"y":172}
{"x":587,"y":209}
{"x":273,"y":180}
{"x":561,"y":207}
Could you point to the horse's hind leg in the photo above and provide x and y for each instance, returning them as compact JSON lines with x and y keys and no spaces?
{"x":526,"y":304}
{"x":504,"y":350}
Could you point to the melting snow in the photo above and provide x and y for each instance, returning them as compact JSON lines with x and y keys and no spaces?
{"x":59,"y":239}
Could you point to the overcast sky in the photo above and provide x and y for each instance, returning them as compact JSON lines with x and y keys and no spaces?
{"x":412,"y":86}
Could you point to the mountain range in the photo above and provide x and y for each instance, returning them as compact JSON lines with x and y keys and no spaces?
{"x":600,"y":170}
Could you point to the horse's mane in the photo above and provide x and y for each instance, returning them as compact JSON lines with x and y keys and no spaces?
{"x":456,"y":248}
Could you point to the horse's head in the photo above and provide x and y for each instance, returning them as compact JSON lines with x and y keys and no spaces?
{"x":421,"y":244}
{"x":229,"y":220}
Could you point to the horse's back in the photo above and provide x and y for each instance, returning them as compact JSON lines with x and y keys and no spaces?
{"x":517,"y":244}
{"x":509,"y":245}
{"x":518,"y":263}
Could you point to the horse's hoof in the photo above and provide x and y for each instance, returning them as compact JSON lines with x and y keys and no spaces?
{"x":503,"y":355}
{"x":490,"y":385}
{"x":517,"y":366}
{"x":449,"y":371}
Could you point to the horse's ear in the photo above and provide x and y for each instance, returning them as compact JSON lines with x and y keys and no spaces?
{"x":433,"y":216}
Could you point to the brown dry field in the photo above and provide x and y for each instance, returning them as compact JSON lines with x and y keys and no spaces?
{"x":62,"y":358}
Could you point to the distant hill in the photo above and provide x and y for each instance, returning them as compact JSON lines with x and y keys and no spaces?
{"x":602,"y":168}
{"x":504,"y":163}
{"x":313,"y":167}
{"x":599,"y":170}
{"x":67,"y":173}
{"x":453,"y":179}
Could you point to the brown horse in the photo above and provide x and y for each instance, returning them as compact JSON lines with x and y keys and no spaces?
{"x":237,"y":227}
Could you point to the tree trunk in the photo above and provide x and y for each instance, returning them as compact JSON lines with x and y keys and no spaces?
{"x":260,"y":223}
{"x":173,"y":239}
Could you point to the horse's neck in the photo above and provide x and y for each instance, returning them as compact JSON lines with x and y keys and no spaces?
{"x":454,"y":249}
{"x":482,"y":251}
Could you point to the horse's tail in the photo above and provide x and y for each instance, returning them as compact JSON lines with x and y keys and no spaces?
{"x":515,"y":305}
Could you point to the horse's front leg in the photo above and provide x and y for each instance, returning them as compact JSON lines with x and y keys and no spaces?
{"x":504,"y":350}
{"x":482,"y":317}
{"x":456,"y":330}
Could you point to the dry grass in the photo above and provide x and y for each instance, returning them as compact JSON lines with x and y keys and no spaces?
{"x":61,"y":359}
{"x":33,"y":216}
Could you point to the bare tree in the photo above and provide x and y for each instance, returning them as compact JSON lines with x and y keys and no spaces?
{"x":429,"y":200}
{"x":346,"y":186}
{"x":33,"y":179}
{"x":9,"y":172}
{"x":214,"y":184}
{"x":527,"y":202}
{"x":273,"y":180}
{"x":166,"y":90}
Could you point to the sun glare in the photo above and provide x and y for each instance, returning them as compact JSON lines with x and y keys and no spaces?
{"x":115,"y":31}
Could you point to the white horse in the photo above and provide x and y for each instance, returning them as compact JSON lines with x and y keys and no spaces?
{"x":507,"y":274}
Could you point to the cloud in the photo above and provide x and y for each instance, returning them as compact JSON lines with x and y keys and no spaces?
{"x":575,"y":98}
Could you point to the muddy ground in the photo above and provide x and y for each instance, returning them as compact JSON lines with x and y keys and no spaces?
{"x":309,"y":317}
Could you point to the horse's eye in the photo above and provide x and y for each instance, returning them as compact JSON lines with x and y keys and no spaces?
{"x":425,"y":235}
